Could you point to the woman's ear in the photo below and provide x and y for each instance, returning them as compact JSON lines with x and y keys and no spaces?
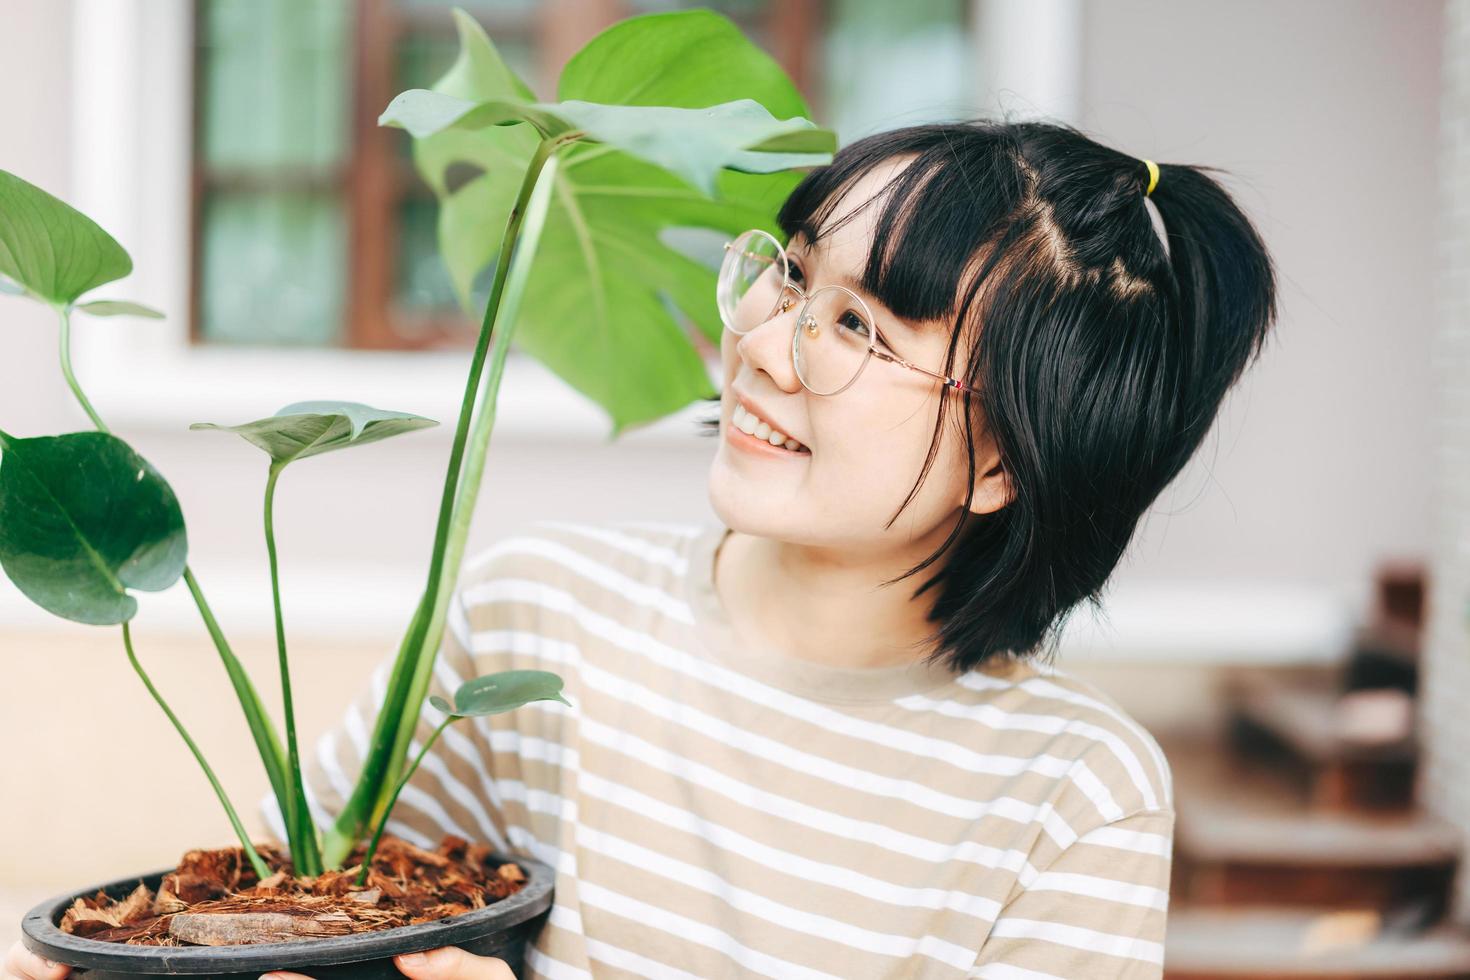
{"x":992,"y":488}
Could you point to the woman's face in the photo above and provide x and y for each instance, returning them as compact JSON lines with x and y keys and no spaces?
{"x":867,"y":443}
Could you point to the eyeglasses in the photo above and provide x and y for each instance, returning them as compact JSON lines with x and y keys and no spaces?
{"x":835,"y":335}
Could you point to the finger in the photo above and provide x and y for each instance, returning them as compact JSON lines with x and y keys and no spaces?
{"x":452,"y":963}
{"x":22,"y":964}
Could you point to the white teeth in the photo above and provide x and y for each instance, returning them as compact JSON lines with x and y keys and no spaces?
{"x":750,"y":425}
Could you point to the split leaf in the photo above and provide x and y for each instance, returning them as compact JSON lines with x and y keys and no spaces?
{"x":603,"y":301}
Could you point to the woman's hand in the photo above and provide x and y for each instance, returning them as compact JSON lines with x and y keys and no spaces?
{"x":444,"y":963}
{"x":22,"y":964}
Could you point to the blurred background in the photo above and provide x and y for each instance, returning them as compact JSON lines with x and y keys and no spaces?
{"x":1291,"y":620}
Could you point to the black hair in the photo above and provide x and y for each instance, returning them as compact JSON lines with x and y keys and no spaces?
{"x":1101,"y":355}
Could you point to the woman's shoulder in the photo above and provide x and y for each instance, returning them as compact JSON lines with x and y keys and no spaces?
{"x":591,"y":561}
{"x":1096,"y":746}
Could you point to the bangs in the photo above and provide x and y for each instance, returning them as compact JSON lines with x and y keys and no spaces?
{"x":935,"y":220}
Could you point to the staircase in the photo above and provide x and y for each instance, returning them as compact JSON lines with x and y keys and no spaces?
{"x":1299,"y":848}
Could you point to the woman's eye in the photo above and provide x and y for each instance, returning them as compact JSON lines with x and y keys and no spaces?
{"x":795,"y":273}
{"x":853,"y":322}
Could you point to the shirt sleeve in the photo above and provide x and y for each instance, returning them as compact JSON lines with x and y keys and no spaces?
{"x":1097,"y":910}
{"x":451,"y":792}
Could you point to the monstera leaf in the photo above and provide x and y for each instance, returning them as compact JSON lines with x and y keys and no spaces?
{"x":597,"y":307}
{"x":696,"y":144}
{"x":304,"y":429}
{"x":502,"y":691}
{"x":84,"y":518}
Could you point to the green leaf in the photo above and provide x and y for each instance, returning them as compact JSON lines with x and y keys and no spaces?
{"x":118,"y":307}
{"x":311,"y":428}
{"x":501,"y":691}
{"x":695,"y":144}
{"x":10,"y":288}
{"x":605,"y":294}
{"x":83,"y":518}
{"x":51,"y":248}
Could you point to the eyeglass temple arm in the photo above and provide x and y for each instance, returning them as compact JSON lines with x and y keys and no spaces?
{"x":952,"y":382}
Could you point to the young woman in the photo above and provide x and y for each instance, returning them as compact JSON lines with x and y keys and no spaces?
{"x":779,"y":759}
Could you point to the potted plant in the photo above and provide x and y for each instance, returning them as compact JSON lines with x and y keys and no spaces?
{"x":663,"y":120}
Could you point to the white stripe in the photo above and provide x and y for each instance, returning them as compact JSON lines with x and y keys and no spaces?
{"x":1093,"y":886}
{"x":814,"y":712}
{"x":1004,"y":971}
{"x":542,"y":965}
{"x":787,"y":862}
{"x":999,"y":720}
{"x":567,"y":919}
{"x":1132,"y":840}
{"x":1130,"y":947}
{"x":786,"y":916}
{"x":784,"y":754}
{"x":633,"y":590}
{"x":809,"y":817}
{"x":691,"y":930}
{"x":514,"y":743}
{"x":1044,"y":687}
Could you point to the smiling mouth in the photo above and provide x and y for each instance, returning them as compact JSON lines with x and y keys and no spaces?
{"x":749,"y":443}
{"x":740,"y":419}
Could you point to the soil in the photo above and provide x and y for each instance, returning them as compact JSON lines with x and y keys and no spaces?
{"x":214,"y":897}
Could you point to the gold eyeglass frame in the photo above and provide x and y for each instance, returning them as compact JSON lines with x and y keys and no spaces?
{"x":805,"y":321}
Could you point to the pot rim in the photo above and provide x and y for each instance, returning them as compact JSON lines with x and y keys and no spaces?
{"x":44,"y":937}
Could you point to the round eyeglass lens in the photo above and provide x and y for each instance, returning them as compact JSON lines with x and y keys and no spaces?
{"x":750,"y":281}
{"x":833,"y":335}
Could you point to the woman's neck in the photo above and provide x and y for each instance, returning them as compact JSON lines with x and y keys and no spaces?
{"x":818,"y":605}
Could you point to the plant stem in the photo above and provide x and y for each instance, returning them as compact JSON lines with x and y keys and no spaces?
{"x":372,"y":848}
{"x":66,"y":371}
{"x":305,"y":859}
{"x":399,"y":713}
{"x":260,"y":866}
{"x":267,"y":741}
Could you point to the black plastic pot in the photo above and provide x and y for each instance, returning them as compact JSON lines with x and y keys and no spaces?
{"x":501,"y":929}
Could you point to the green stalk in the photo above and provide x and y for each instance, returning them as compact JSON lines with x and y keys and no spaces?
{"x":305,"y":859}
{"x":260,"y":866}
{"x":267,"y":742}
{"x":468,"y":493}
{"x":372,"y":848}
{"x":399,"y":714}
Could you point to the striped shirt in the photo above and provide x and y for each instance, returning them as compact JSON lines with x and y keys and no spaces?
{"x":714,"y":810}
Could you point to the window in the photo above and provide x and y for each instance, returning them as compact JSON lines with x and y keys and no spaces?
{"x":311,"y":227}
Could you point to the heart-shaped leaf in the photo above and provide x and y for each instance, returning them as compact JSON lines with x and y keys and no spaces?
{"x":118,"y":307}
{"x":50,"y":247}
{"x":601,"y":303}
{"x":311,"y":428}
{"x":84,"y":518}
{"x":501,"y":691}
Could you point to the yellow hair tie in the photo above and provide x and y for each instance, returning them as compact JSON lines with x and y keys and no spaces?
{"x":1153,"y":176}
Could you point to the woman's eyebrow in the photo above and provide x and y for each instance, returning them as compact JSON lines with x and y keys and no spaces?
{"x":855,"y":286}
